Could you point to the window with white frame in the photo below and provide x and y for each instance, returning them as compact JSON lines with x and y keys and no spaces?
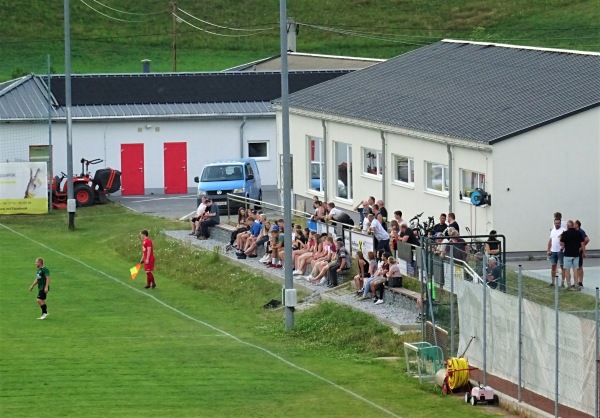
{"x":469,"y":181}
{"x":343,"y":170}
{"x":258,"y":150}
{"x":372,"y":161}
{"x":436,"y":177}
{"x":404,"y":169}
{"x":316,"y":164}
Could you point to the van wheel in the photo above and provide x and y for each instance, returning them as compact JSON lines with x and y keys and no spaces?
{"x":256,"y":205}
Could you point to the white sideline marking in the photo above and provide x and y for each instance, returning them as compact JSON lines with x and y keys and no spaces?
{"x":225,"y":333}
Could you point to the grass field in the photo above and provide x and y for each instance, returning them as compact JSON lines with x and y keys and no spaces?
{"x":113,"y":38}
{"x":198,"y":345}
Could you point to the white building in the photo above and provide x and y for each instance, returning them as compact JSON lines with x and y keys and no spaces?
{"x":159,"y":130}
{"x":426,"y":128}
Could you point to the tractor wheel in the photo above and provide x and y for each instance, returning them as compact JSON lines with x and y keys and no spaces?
{"x":467,"y":397}
{"x":496,"y":400}
{"x":84,"y":195}
{"x":473,"y":400}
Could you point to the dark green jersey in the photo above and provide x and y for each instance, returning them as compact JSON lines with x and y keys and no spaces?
{"x":42,"y":275}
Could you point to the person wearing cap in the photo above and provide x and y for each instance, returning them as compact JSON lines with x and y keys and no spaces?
{"x":210,"y":219}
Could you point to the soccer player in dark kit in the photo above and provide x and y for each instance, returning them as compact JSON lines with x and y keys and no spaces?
{"x":42,"y":280}
{"x":148,"y":259}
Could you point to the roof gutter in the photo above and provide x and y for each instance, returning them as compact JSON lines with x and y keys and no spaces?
{"x":144,"y":118}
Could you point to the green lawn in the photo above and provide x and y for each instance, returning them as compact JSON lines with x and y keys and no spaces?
{"x":198,"y":345}
{"x":32,"y":29}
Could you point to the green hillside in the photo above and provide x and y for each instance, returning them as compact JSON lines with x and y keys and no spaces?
{"x":114,"y":35}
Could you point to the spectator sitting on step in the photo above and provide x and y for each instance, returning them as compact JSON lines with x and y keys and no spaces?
{"x":314,"y":247}
{"x":363,"y":271}
{"x":493,"y":273}
{"x":319,"y":263}
{"x":195,"y":220}
{"x":242,"y":226}
{"x":275,"y":247}
{"x":252,"y":242}
{"x":338,"y":265}
{"x":382,"y":270}
{"x":308,"y":248}
{"x":244,"y":239}
{"x":210,"y":219}
{"x":378,"y":285}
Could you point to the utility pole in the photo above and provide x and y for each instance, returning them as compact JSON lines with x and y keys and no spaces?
{"x":174,"y":11}
{"x":70,"y":195}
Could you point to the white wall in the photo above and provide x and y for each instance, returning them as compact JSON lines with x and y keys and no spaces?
{"x":411,"y":200}
{"x":207,"y":140}
{"x":552,"y":168}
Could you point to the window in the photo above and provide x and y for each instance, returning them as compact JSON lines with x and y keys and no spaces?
{"x":372,"y":161}
{"x":469,"y":181}
{"x":316,"y":163}
{"x":258,"y":149}
{"x":404,"y":169}
{"x":437,"y":177}
{"x":343,"y":172}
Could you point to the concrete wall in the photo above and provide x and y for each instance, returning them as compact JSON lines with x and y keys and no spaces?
{"x":552,"y":168}
{"x":207,"y":140}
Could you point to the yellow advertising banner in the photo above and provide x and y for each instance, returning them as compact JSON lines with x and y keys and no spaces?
{"x":23,"y":188}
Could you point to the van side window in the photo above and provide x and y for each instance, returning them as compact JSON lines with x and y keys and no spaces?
{"x":249,"y":170}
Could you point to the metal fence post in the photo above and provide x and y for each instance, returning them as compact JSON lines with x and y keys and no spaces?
{"x":520,"y":358}
{"x":556,"y":350}
{"x":451,"y":299}
{"x":483,"y":273}
{"x":597,"y":354}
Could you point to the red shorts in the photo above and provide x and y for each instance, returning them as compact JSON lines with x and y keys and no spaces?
{"x":149,"y":266}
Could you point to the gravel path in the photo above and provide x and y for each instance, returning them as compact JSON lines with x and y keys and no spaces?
{"x":396,"y":312}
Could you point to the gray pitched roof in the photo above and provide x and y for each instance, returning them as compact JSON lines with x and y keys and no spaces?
{"x":298,"y":61}
{"x":478,"y":92}
{"x":181,"y":95}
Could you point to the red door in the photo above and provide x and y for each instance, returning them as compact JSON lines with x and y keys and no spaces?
{"x":132,"y":169}
{"x":175,"y":167}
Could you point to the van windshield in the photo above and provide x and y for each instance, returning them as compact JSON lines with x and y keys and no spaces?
{"x":222,"y":173}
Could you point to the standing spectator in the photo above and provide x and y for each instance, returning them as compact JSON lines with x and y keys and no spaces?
{"x":148,"y":259}
{"x":586,"y":241}
{"x":558,"y":215}
{"x":42,"y":279}
{"x":382,"y":216}
{"x":573,"y":244}
{"x":338,"y":215}
{"x":364,"y":208}
{"x":211,"y":218}
{"x":493,"y":274}
{"x":452,"y":222}
{"x":367,"y":223}
{"x":394,"y":235}
{"x":492,"y":246}
{"x":407,"y":235}
{"x":555,"y":252}
{"x":459,"y":244}
{"x":441,"y":226}
{"x":398,"y":218}
{"x":381,"y":235}
{"x":319,"y":211}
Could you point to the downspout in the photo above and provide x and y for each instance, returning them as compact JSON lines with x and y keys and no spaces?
{"x":324,"y":168}
{"x":383,"y":168}
{"x":451,"y":176}
{"x":242,"y":137}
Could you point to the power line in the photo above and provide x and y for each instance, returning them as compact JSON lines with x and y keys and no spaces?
{"x":361,"y":35}
{"x":224,"y":27}
{"x":110,"y":17}
{"x":215,"y":33}
{"x":129,"y":13}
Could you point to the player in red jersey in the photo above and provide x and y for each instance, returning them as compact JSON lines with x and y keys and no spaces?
{"x":148,"y":259}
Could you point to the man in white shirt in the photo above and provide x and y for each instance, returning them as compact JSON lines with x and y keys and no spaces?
{"x":555,"y":252}
{"x":381,"y":235}
{"x":195,"y":220}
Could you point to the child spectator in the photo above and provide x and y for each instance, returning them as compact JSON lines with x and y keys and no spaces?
{"x":363,"y":271}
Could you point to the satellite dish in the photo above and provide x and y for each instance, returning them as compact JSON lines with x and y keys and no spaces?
{"x":480,"y":197}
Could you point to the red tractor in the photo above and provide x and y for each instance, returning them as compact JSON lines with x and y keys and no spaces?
{"x":87,"y":190}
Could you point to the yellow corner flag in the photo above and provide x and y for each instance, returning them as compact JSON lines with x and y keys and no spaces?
{"x":134,"y":271}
